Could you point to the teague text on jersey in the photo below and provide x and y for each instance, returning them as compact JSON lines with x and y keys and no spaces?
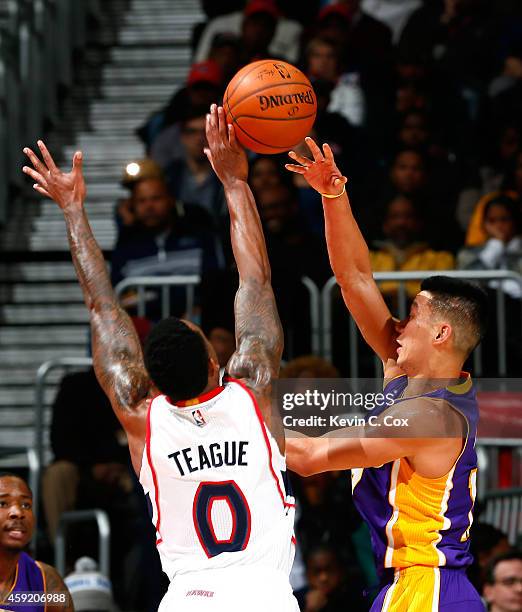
{"x":209,"y":456}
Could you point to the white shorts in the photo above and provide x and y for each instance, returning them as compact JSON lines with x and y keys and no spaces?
{"x":232,"y":589}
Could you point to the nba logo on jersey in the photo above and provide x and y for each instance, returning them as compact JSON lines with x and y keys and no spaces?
{"x":198,"y":418}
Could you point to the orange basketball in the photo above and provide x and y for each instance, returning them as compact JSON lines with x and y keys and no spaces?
{"x":271,"y":104}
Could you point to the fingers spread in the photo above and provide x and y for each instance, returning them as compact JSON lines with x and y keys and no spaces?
{"x":222,"y":124}
{"x":41,"y":190}
{"x":300,"y":158}
{"x":294,"y":168}
{"x":36,"y":176}
{"x":35,"y":161}
{"x":314,"y":149}
{"x":328,"y":152}
{"x":232,"y":137}
{"x":77,"y":160}
{"x":47,"y":156}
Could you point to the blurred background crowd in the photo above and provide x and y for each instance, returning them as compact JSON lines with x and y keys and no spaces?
{"x":421,"y":102}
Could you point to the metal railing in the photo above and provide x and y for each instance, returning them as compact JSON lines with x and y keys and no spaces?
{"x":164,"y":283}
{"x":503,"y":510}
{"x":140,"y":283}
{"x":104,"y":537}
{"x":401,"y":278}
{"x":37,"y":41}
{"x":64,"y":363}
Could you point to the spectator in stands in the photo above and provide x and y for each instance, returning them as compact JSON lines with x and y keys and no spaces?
{"x":365,"y":42}
{"x":309,"y":366}
{"x":328,"y":588}
{"x":505,"y":91}
{"x":91,"y":469}
{"x":160,"y":133}
{"x":455,"y":36}
{"x":328,"y":517}
{"x":226,"y":53}
{"x":495,"y":169}
{"x":502,"y":249}
{"x":294,"y":252}
{"x":487,"y":542}
{"x":290,"y":246}
{"x":503,"y":588}
{"x":20,"y":575}
{"x":191,"y":179}
{"x":346,"y":95}
{"x":283,"y":43}
{"x":265,"y":172}
{"x":134,"y":172}
{"x":403,"y":248}
{"x":408,"y":175}
{"x":161,"y":242}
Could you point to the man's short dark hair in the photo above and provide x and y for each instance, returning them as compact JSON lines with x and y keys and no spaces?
{"x":511,"y":555}
{"x":176,"y":358}
{"x":464,"y":304}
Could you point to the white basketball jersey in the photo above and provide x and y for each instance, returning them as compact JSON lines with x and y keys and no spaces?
{"x":217,"y":484}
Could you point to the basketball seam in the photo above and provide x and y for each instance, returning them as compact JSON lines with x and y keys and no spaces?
{"x":255,"y":91}
{"x":258,"y":64}
{"x":268,"y":146}
{"x":274,"y":118}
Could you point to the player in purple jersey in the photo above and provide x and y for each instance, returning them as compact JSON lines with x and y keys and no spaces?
{"x":23,"y":580}
{"x":414,"y":464}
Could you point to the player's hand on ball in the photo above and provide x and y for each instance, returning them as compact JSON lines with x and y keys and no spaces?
{"x":321,"y":173}
{"x":67,"y":189}
{"x":227,"y":156}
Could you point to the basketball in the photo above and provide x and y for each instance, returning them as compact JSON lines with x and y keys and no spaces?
{"x":271,"y":104}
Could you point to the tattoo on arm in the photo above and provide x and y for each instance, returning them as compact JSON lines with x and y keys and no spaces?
{"x":55,"y":584}
{"x":117,"y":355}
{"x":259,"y":334}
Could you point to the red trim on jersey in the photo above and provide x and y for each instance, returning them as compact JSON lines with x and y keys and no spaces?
{"x":265,"y":436}
{"x":154,"y":477}
{"x":293,"y":540}
{"x":204,"y":397}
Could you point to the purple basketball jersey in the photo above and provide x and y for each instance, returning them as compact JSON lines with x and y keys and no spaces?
{"x":29,"y":579}
{"x":415,"y":520}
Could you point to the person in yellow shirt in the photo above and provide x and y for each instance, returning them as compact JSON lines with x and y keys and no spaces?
{"x":402,"y":249}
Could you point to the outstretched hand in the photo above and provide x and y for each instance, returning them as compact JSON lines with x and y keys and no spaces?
{"x":321,"y":173}
{"x":227,"y":156}
{"x":67,"y":189}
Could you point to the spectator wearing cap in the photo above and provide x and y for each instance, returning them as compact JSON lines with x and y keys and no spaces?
{"x":203,"y":87}
{"x":284,"y":42}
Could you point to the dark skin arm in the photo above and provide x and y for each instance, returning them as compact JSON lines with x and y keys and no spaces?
{"x":259,"y":335}
{"x":116,"y":349}
{"x":349,"y":255}
{"x":55,"y":584}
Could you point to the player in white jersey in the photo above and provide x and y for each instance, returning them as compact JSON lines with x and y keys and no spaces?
{"x":209,"y":452}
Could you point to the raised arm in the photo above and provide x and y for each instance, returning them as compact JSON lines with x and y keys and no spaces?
{"x":259,"y":336}
{"x":347,"y":250}
{"x":116,"y":348}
